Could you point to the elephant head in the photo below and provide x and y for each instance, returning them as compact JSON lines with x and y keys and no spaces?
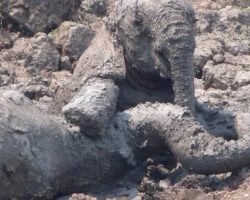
{"x":158,"y":41}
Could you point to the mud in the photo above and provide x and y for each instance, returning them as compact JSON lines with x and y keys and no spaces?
{"x":221,"y":62}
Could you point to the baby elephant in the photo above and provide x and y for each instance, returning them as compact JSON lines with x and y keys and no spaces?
{"x":144,"y":53}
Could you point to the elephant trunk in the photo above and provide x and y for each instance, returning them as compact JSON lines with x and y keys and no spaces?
{"x":183,"y":75}
{"x":191,"y":144}
{"x":178,"y":48}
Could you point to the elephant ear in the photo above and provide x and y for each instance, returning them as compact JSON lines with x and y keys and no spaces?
{"x":104,"y":58}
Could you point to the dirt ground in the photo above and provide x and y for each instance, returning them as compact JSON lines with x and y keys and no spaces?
{"x":222,"y":85}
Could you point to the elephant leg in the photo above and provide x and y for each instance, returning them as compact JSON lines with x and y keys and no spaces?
{"x":93,"y":106}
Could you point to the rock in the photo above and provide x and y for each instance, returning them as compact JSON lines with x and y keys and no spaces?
{"x":147,"y":185}
{"x":242,"y":78}
{"x":65,"y":63}
{"x":157,"y":172}
{"x":35,"y":91}
{"x":242,"y":124}
{"x":36,"y":53}
{"x":192,"y":194}
{"x":218,"y":59}
{"x":202,"y":25}
{"x":206,"y":21}
{"x":29,"y":62}
{"x":38,"y":16}
{"x":59,"y":81}
{"x":239,"y":100}
{"x":6,"y":76}
{"x":82,"y":197}
{"x":244,"y":17}
{"x":220,"y":123}
{"x":209,"y":5}
{"x":234,"y":19}
{"x":241,"y":3}
{"x":240,"y":60}
{"x":205,"y":51}
{"x":15,"y":97}
{"x":73,"y":39}
{"x":219,"y":76}
{"x":200,"y":59}
{"x":5,"y":39}
{"x":237,"y":47}
{"x":164,"y":184}
{"x":82,"y":112}
{"x":230,"y":14}
{"x":213,"y":97}
{"x":97,"y":7}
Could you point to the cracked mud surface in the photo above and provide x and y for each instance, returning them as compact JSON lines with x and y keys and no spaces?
{"x":222,"y":70}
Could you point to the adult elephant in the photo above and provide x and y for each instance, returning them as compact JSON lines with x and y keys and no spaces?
{"x":42,"y":157}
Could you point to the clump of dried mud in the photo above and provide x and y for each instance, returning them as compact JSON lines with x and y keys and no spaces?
{"x":41,"y":64}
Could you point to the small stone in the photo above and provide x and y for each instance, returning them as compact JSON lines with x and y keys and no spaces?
{"x":242,"y":78}
{"x":192,"y":194}
{"x":82,"y":197}
{"x":97,"y":7}
{"x":205,"y":52}
{"x":65,"y":63}
{"x":164,"y":184}
{"x":218,"y":59}
{"x":244,"y":18}
{"x":73,"y":38}
{"x":40,"y":16}
{"x":5,"y":39}
{"x":242,"y":124}
{"x":35,"y":91}
{"x":158,"y":172}
{"x":147,"y":185}
{"x":220,"y":76}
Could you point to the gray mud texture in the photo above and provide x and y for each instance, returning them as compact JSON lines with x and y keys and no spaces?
{"x":115,"y":99}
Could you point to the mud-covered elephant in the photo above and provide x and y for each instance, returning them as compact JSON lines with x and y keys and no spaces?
{"x":144,"y":54}
{"x":158,"y":41}
{"x":42,"y":157}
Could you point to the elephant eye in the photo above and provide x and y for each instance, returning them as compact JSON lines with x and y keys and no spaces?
{"x":138,"y":19}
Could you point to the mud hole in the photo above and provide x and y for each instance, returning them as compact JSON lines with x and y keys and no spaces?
{"x":222,"y":83}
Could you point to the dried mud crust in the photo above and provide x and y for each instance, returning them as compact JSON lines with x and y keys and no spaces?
{"x":222,"y":63}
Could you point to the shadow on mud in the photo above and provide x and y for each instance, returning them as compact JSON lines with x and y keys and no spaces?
{"x":217,"y":121}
